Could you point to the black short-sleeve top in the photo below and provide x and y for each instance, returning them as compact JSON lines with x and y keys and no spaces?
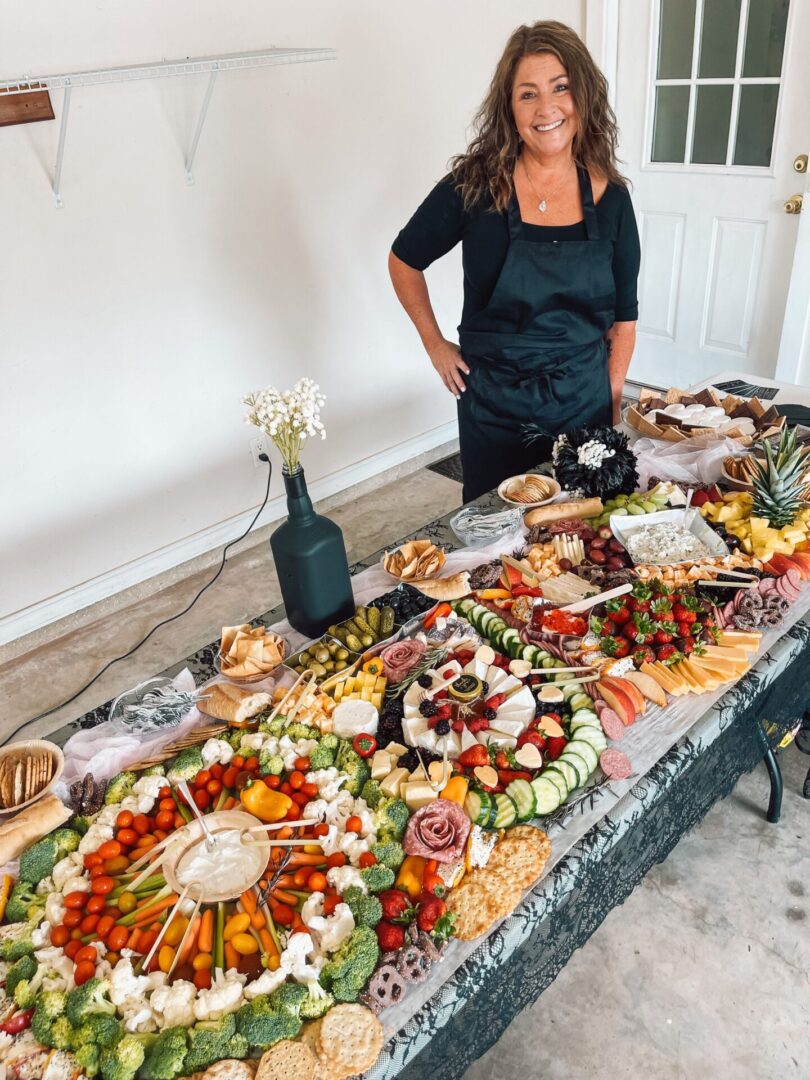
{"x":441,"y":222}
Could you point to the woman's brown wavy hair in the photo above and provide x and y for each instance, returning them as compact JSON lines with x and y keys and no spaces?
{"x":488,"y":164}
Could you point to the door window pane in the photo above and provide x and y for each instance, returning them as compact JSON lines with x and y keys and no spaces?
{"x":718,"y":43}
{"x":712,"y":119}
{"x":675,"y":38}
{"x":669,"y":135}
{"x":765,"y":38}
{"x":755,"y":124}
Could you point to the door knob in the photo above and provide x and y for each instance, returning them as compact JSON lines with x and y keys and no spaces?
{"x":794,"y":205}
{"x":800,"y":163}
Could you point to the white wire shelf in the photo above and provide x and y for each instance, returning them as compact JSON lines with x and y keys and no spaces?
{"x":162,"y":69}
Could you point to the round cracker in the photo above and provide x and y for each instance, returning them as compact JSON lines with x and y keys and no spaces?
{"x":350,"y":1040}
{"x":229,"y":1069}
{"x":288,"y":1059}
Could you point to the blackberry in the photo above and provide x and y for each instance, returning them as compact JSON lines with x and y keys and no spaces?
{"x":425,"y":681}
{"x":442,"y":727}
{"x":484,"y":686}
{"x":427,"y":708}
{"x":490,"y":714}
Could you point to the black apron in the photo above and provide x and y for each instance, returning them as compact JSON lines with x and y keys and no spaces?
{"x":536,"y":352}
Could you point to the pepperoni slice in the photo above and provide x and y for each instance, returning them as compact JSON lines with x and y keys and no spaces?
{"x":615,"y":764}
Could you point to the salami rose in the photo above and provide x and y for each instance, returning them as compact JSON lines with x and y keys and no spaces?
{"x":437,"y":831}
{"x":401,"y":657}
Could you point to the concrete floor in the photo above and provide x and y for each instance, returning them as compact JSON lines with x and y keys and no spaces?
{"x":701,"y":974}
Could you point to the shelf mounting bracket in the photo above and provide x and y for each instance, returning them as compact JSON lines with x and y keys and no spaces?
{"x":212,"y":78}
{"x":60,"y":150}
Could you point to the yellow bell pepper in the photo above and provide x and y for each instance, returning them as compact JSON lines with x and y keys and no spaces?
{"x":5,"y":889}
{"x":410,"y":875}
{"x":264,"y":803}
{"x":455,"y":789}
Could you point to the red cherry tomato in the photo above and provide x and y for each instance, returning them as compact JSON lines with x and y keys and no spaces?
{"x":338,"y":859}
{"x":213,"y":787}
{"x":72,"y":947}
{"x":310,"y":790}
{"x":76,"y":899}
{"x":217,"y":770}
{"x":273,"y":781}
{"x":110,"y":849}
{"x":84,"y":971}
{"x":60,"y":935}
{"x":141,"y":824}
{"x":147,"y":941}
{"x":302,"y":764}
{"x":330,"y":903}
{"x":296,"y":780}
{"x":317,"y":882}
{"x":88,"y":952}
{"x":300,"y":799}
{"x":252,"y":763}
{"x":229,"y":776}
{"x":118,"y":938}
{"x":95,"y":905}
{"x":165,"y":819}
{"x":97,"y":871}
{"x":202,"y":798}
{"x":102,"y":885}
{"x":238,"y":762}
{"x":202,"y":778}
{"x":165,"y":792}
{"x":128,"y":836}
{"x":91,"y":860}
{"x":73,"y":917}
{"x":202,"y":979}
{"x":167,"y":804}
{"x":321,"y":829}
{"x":105,"y":925}
{"x":283,"y":915}
{"x":353,"y":824}
{"x":89,"y":923}
{"x":368,"y":858}
{"x":179,"y":820}
{"x":124,"y":819}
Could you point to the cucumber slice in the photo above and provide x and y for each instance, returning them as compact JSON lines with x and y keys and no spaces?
{"x":522,"y":795}
{"x":578,"y":763}
{"x":465,"y":606}
{"x":570,"y":774}
{"x":593,"y":737}
{"x":568,"y":690}
{"x":556,"y":778}
{"x":550,"y":662}
{"x":547,"y":795}
{"x":478,"y":806}
{"x":580,"y":701}
{"x":584,"y":716}
{"x":506,"y":812}
{"x":586,"y":752}
{"x":515,"y":648}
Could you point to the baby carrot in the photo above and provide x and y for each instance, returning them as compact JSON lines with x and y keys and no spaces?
{"x":206,"y":938}
{"x":190,"y":948}
{"x":282,"y":897}
{"x":248,"y":899}
{"x":145,"y":915}
{"x":231,"y":956}
{"x":268,"y":945}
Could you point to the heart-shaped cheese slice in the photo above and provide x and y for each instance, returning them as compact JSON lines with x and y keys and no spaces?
{"x":520,"y":668}
{"x":486,"y":775}
{"x":440,"y":772}
{"x":485,"y":654}
{"x":549,"y":692}
{"x":549,"y":726}
{"x":529,"y":756}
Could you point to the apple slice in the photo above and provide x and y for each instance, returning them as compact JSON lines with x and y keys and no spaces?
{"x":629,"y":688}
{"x":619,"y":701}
{"x":780,"y":564}
{"x":648,"y":686}
{"x":801,"y":560}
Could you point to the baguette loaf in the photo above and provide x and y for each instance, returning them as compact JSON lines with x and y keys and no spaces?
{"x":30,"y":825}
{"x":563,"y":511}
{"x":230,"y":703}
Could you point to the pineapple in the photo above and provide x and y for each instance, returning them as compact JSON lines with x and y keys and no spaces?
{"x":778,"y":481}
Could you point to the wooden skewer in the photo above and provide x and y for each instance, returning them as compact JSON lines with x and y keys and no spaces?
{"x":736,"y":573}
{"x":750,"y":584}
{"x":178,"y":952}
{"x":286,"y":843}
{"x":148,"y":960}
{"x":299,"y":824}
{"x":147,"y":855}
{"x":559,"y":670}
{"x":150,"y":869}
{"x":592,"y":601}
{"x":577,"y":682}
{"x":509,"y":561}
{"x":305,"y":675}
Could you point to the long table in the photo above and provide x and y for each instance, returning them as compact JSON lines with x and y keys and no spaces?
{"x":602,"y":847}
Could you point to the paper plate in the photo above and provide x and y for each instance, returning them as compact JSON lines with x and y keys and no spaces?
{"x":553,"y":487}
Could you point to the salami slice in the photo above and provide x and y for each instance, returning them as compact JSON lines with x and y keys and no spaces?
{"x":600,"y":706}
{"x":767,"y":585}
{"x":794,"y":578}
{"x":615,"y":764}
{"x":783,"y":589}
{"x":612,"y":724}
{"x":438,"y":830}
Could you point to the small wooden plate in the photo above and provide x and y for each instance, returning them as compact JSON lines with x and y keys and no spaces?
{"x":31,"y":768}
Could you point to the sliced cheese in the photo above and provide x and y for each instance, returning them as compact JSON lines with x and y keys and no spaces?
{"x":507,"y":725}
{"x":694,"y":685}
{"x":417,"y":794}
{"x":747,"y":639}
{"x":679,"y":685}
{"x":726,"y":652}
{"x":730,"y":668}
{"x":701,"y":677}
{"x":418,"y":774}
{"x":661,"y":676}
{"x":381,"y":765}
{"x":413,"y":727}
{"x":391,"y":784}
{"x":477,"y":668}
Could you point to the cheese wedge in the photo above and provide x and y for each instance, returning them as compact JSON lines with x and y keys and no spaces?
{"x":681,"y":686}
{"x":661,"y":676}
{"x":745,"y":639}
{"x":381,"y":765}
{"x":694,"y":685}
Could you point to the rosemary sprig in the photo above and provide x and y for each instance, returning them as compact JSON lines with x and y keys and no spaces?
{"x":432,"y":659}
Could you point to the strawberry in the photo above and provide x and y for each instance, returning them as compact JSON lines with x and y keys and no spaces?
{"x":667,"y":653}
{"x":642,"y":654}
{"x":555,"y":746}
{"x":502,"y":761}
{"x":495,"y":701}
{"x":608,"y":628}
{"x":613,"y":646}
{"x":619,"y":611}
{"x":475,"y":755}
{"x":661,"y":608}
{"x":681,"y":613}
{"x":533,"y":737}
{"x":684,"y":629}
{"x":638,"y":605}
{"x":662,"y":636}
{"x":390,"y":937}
{"x":429,"y":913}
{"x":396,"y":904}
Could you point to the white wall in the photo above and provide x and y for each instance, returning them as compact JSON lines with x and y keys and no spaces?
{"x":133,"y":320}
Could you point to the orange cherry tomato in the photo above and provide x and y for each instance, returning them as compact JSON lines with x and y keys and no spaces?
{"x":91,"y":860}
{"x":118,"y":938}
{"x":283,"y":915}
{"x":76,"y":934}
{"x":88,"y":952}
{"x":179,"y":820}
{"x":89,"y":924}
{"x":217,"y":770}
{"x":60,"y":935}
{"x":105,"y":925}
{"x":76,"y":899}
{"x":148,"y":939}
{"x":321,"y":829}
{"x":160,"y":834}
{"x":146,"y":841}
{"x":84,"y":971}
{"x":72,"y":947}
{"x":302,"y":764}
{"x":293,"y":814}
{"x":140,"y":824}
{"x":165,"y":819}
{"x":116,"y":866}
{"x":213,"y":787}
{"x":125,"y":819}
{"x":165,"y":792}
{"x":112,"y":958}
{"x":317,"y":881}
{"x":128,"y":836}
{"x":353,"y":824}
{"x":167,"y":804}
{"x":368,"y":858}
{"x":202,"y":778}
{"x":202,"y":979}
{"x":238,"y":762}
{"x":73,"y":916}
{"x":251,"y":763}
{"x":302,"y":876}
{"x":110,"y":849}
{"x":273,"y":782}
{"x":338,"y":859}
{"x":102,"y":885}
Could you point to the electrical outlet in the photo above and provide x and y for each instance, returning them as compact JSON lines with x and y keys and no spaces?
{"x":257,"y":447}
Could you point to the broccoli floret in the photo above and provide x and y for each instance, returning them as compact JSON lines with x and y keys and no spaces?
{"x":164,"y":1058}
{"x":389,"y":852}
{"x":378,"y":878}
{"x":270,"y":764}
{"x":289,"y":997}
{"x":62,"y":1034}
{"x":119,"y":787}
{"x":316,"y":1006}
{"x":357,"y":769}
{"x":321,"y":757}
{"x":233,"y":738}
{"x":50,"y":1007}
{"x":297,"y":730}
{"x":186,"y":765}
{"x":331,"y":742}
{"x":101,"y":1028}
{"x":273,"y":727}
{"x":38,"y":861}
{"x":367,"y":910}
{"x":155,"y":770}
{"x":23,"y":903}
{"x":88,"y":1058}
{"x":372,"y":793}
{"x":213,"y":1040}
{"x":391,"y":817}
{"x":348,"y":969}
{"x":81,"y":823}
{"x":262,"y":1026}
{"x":24,"y":969}
{"x":122,"y":1061}
{"x":16,"y":940}
{"x":51,"y":1003}
{"x":67,"y":840}
{"x":27,"y":990}
{"x":87,"y":1000}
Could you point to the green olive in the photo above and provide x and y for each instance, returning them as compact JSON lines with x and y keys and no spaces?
{"x":341,"y":654}
{"x":321,"y":654}
{"x":300,"y":669}
{"x":318,"y":668}
{"x":304,"y":657}
{"x":329,"y":665}
{"x":367,"y":640}
{"x":340,"y":665}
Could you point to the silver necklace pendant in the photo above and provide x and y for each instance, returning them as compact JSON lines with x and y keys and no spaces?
{"x":541,"y":206}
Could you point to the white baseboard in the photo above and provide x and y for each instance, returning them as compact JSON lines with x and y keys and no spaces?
{"x":34,"y":617}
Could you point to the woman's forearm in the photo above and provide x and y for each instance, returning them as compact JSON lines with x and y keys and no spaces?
{"x":412,"y":292}
{"x":621,"y":340}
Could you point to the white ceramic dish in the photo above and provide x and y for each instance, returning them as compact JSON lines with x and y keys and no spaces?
{"x":553,"y":487}
{"x":623,"y":525}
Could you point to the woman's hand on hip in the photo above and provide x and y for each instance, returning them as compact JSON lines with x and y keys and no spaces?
{"x":448,"y":361}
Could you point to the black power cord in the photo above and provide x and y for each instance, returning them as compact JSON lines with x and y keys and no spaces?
{"x":164,"y":622}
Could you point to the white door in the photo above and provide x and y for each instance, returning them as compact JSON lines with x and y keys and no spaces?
{"x":712,"y":102}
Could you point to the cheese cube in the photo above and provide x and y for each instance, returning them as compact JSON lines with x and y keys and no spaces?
{"x":390,"y":786}
{"x":396,"y":750}
{"x":381,"y":765}
{"x":417,"y":794}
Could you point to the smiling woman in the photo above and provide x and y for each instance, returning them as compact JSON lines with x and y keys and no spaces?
{"x":550,"y":253}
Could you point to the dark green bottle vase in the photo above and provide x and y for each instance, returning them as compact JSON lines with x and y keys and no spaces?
{"x":311,"y":563}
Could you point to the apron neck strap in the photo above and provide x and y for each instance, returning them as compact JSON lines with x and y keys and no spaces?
{"x":588,"y":210}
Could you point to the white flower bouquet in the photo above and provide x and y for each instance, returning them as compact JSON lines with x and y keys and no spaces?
{"x":288,"y":419}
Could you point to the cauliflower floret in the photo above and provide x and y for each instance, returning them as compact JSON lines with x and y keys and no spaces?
{"x":125,"y":985}
{"x":290,"y":750}
{"x":62,"y":872}
{"x":254,"y":741}
{"x":95,"y":837}
{"x":139,"y":1017}
{"x":55,"y":908}
{"x":294,"y":958}
{"x":108,"y":815}
{"x":354,"y":846}
{"x":332,"y":930}
{"x":41,"y":934}
{"x":131,"y":802}
{"x":44,"y":887}
{"x":216,"y":750}
{"x":149,"y":785}
{"x":313,"y":907}
{"x":266,"y":983}
{"x":329,"y":781}
{"x":341,"y":877}
{"x":75,"y":884}
{"x":174,"y":1004}
{"x":225,"y":996}
{"x":59,"y":975}
{"x":361,"y":810}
